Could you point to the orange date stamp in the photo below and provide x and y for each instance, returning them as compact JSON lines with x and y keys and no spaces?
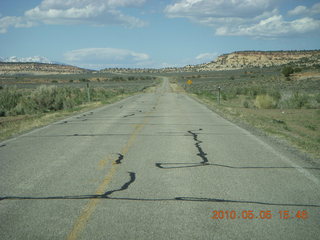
{"x":262,"y":214}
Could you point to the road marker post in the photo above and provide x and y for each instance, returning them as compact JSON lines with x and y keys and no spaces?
{"x":219,"y":94}
{"x":88,"y":92}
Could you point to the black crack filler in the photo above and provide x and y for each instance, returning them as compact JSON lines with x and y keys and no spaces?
{"x":201,"y":153}
{"x":124,"y":186}
{"x":159,"y":165}
{"x":129,"y":115}
{"x":118,"y":161}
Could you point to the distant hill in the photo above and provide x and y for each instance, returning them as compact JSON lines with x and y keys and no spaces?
{"x":241,"y":60}
{"x":230,"y":61}
{"x":38,"y":68}
{"x":249,"y":59}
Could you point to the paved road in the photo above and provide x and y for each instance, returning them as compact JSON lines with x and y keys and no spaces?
{"x":153,"y":166}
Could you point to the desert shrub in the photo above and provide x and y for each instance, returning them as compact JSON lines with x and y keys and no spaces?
{"x":224,"y":96}
{"x":311,"y":127}
{"x":9,"y":98}
{"x":299,"y":100}
{"x":265,"y":102}
{"x":254,"y":91}
{"x":15,"y":101}
{"x":287,"y":71}
{"x":275,"y":94}
{"x":231,"y":94}
{"x":52,"y":98}
{"x":297,"y":70}
{"x":117,"y":78}
{"x":238,"y":91}
{"x":101,"y":94}
{"x":43,"y":98}
{"x":296,"y":101}
{"x":208,"y":94}
{"x":246,"y":104}
{"x":83,"y":80}
{"x":317,"y":97}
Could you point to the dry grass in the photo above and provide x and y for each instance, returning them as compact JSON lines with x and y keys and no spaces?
{"x":299,"y":127}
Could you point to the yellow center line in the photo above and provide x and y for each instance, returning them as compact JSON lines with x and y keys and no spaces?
{"x":82,"y":220}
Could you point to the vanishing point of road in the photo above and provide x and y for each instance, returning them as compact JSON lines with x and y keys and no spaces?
{"x":156,"y":165}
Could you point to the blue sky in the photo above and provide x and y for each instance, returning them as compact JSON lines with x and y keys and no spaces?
{"x":153,"y":33}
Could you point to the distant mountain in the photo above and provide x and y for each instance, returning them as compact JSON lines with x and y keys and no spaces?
{"x":36,"y":68}
{"x":34,"y":59}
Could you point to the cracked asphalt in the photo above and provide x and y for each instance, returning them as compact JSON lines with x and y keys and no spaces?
{"x":154,"y":166}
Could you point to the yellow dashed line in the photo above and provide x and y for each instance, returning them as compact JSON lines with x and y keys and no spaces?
{"x":102,"y":164}
{"x":82,"y":220}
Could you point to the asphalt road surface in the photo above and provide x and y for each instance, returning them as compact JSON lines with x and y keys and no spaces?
{"x":154,"y":166}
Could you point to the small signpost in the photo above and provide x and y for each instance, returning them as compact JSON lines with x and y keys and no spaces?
{"x":88,"y":92}
{"x":219,"y":94}
{"x":189,"y":82}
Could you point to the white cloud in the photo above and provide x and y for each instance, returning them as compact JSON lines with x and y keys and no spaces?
{"x":200,"y":9}
{"x":91,"y":12}
{"x":273,"y":26}
{"x":106,"y":57}
{"x":256,"y":18}
{"x":299,"y":10}
{"x":17,"y":22}
{"x":303,"y":10}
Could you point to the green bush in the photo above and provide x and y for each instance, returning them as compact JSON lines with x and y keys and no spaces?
{"x":265,"y":102}
{"x":287,"y":71}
